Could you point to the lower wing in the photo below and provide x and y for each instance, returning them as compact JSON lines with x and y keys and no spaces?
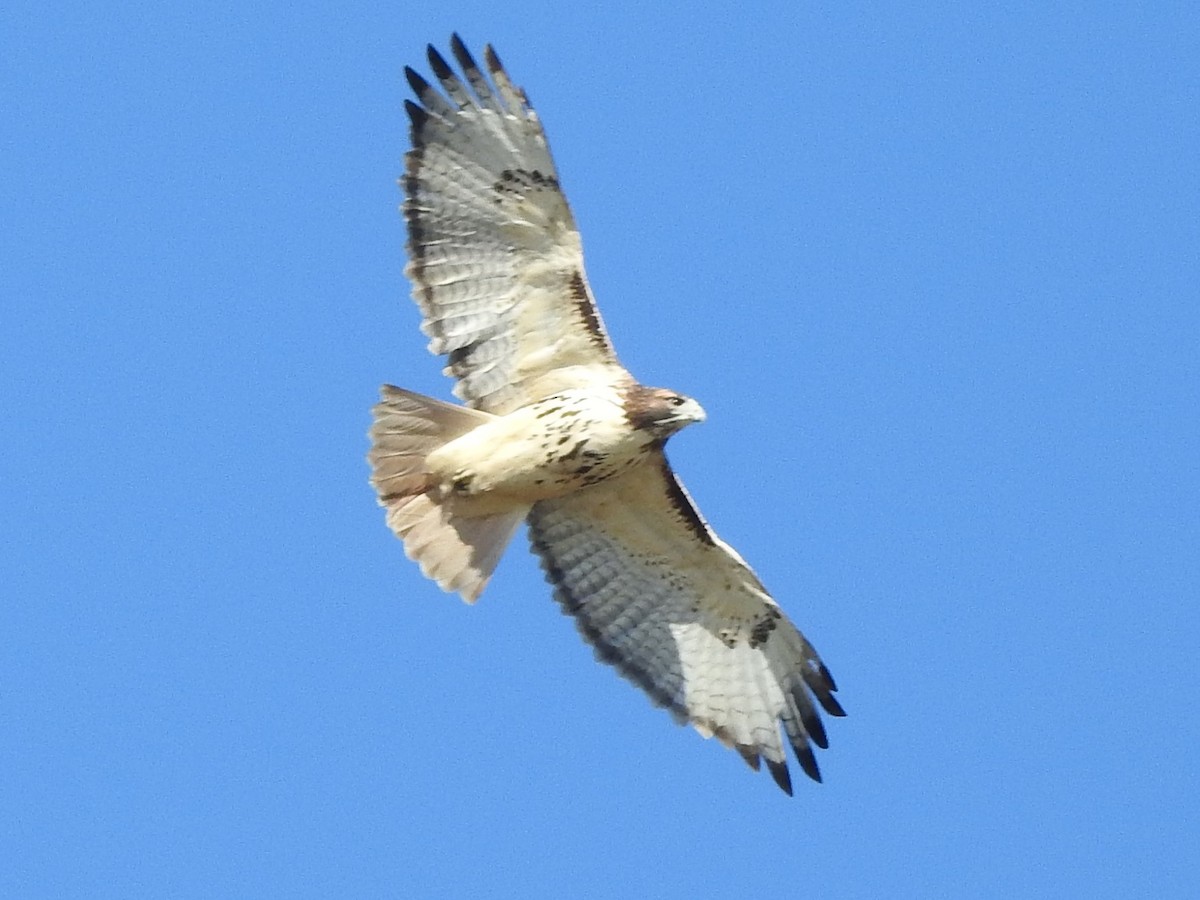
{"x":679,"y":613}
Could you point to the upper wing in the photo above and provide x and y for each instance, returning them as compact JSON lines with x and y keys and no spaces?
{"x":494,"y":256}
{"x":679,"y":613}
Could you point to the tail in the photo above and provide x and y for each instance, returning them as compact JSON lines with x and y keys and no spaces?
{"x":458,"y":552}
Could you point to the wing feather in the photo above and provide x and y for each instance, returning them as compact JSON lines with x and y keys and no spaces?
{"x":679,"y":613}
{"x":494,"y":254}
{"x":479,"y":84}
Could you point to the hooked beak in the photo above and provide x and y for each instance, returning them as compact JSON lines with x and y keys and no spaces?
{"x":690,"y":412}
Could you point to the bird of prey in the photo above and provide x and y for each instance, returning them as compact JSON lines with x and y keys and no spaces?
{"x":558,"y":434}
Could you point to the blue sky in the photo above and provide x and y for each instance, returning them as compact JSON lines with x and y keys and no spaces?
{"x":933,"y":273}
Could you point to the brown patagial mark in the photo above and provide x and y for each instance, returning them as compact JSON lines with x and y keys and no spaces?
{"x":684,"y":509}
{"x":577,"y":288}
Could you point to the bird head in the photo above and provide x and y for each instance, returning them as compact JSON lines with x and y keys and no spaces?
{"x":660,"y":411}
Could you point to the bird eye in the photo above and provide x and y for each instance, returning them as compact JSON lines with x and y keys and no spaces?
{"x":676,"y":400}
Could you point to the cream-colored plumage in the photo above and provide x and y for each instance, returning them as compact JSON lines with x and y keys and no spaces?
{"x":560,"y":434}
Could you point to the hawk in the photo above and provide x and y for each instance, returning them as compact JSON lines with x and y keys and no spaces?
{"x":558,"y":434}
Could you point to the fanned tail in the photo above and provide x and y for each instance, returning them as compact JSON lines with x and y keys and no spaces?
{"x":458,"y":552}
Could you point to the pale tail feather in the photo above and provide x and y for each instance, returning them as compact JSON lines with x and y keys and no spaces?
{"x":458,"y":552}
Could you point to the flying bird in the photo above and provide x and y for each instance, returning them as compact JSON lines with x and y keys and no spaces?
{"x":558,"y":434}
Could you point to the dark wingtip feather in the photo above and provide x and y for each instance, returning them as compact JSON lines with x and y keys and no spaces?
{"x":830,"y":705}
{"x":461,"y":53}
{"x":492,"y":59}
{"x":808,"y":762}
{"x":783,"y":778}
{"x":815,"y":729}
{"x":416,"y":114}
{"x":438,"y":63}
{"x":829,"y":682}
{"x":821,"y":683}
{"x":418,"y":84}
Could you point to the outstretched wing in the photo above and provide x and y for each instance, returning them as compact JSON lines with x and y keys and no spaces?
{"x":494,"y":255}
{"x":680,"y":614}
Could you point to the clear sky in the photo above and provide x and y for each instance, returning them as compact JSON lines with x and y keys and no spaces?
{"x":934,"y":273}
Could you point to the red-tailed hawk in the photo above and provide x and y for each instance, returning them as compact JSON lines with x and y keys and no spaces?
{"x":558,"y":434}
